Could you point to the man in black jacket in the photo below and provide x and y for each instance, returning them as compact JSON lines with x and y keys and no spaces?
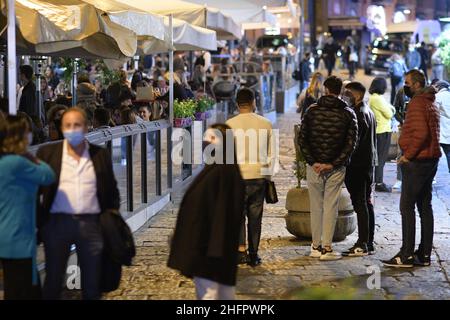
{"x":27,"y":93}
{"x":328,"y":136}
{"x":70,"y":208}
{"x":359,"y":175}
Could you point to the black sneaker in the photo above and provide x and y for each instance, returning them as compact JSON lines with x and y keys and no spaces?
{"x":421,"y":260}
{"x":254,"y":260}
{"x":243,"y":257}
{"x":356,"y":251}
{"x":399,"y":262}
{"x":371,"y":249}
{"x":382,"y":187}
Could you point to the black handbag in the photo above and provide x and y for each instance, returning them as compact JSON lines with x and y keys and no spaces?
{"x":271,"y":192}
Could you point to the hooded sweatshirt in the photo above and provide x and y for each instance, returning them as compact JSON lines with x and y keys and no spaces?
{"x":419,"y":139}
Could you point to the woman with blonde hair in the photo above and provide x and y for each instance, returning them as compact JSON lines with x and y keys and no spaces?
{"x":311,"y":94}
{"x":20,"y":176}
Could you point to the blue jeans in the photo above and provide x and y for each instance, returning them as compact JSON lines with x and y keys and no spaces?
{"x":255,"y":190}
{"x":417,"y":190}
{"x":59,"y":234}
{"x":446,"y":148}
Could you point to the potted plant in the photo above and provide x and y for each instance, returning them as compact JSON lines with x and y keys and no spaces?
{"x":204,"y":105}
{"x":183,"y":112}
{"x":298,"y":220}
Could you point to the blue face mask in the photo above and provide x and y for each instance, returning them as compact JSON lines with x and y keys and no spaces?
{"x":74,"y":138}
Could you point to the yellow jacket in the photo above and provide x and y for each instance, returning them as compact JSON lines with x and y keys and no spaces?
{"x":383,"y":111}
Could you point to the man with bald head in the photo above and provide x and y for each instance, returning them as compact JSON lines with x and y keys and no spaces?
{"x":69,"y":209}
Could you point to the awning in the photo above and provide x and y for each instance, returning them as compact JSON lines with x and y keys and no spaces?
{"x":198,"y":15}
{"x":146,"y":25}
{"x":250,"y":14}
{"x":68,"y":28}
{"x":186,"y":37}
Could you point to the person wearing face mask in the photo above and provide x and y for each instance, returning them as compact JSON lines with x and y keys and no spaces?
{"x":70,"y":208}
{"x":419,"y":142}
{"x":21,"y":174}
{"x":359,"y":173}
{"x":206,"y":237}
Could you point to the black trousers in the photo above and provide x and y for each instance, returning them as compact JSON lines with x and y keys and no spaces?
{"x":358,"y":181}
{"x":59,"y":234}
{"x":17,"y":280}
{"x":395,"y":81}
{"x":330,"y":63}
{"x":255,"y":191}
{"x":417,"y":189}
{"x":383,"y":144}
{"x":446,"y":148}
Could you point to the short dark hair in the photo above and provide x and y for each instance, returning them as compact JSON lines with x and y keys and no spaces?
{"x":102,"y":116}
{"x":356,"y":86}
{"x":27,"y":71}
{"x":245,"y":96}
{"x":378,"y":86}
{"x":333,"y":84}
{"x":417,"y":76}
{"x":125,"y":95}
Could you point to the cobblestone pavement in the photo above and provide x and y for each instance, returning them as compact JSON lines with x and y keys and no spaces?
{"x":287,"y":272}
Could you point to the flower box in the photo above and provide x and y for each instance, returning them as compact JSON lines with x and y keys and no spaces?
{"x":182,"y":122}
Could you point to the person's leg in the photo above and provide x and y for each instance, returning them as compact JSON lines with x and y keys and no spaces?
{"x":255,"y":212}
{"x":355,"y":181}
{"x":89,"y":242}
{"x":379,"y":167}
{"x":446,"y":148}
{"x":424,"y":206}
{"x":57,"y":237}
{"x":332,"y":192}
{"x":412,"y":186}
{"x":316,"y":196}
{"x":242,"y":235}
{"x":206,"y":289}
{"x":370,"y":207}
{"x":17,"y":279}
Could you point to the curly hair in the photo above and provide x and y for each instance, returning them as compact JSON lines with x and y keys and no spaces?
{"x":13,"y":135}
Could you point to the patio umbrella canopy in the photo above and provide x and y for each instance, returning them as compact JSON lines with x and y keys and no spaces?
{"x":70,"y":28}
{"x":226,"y":28}
{"x":251,"y":14}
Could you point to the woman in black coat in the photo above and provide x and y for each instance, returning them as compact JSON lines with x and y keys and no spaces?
{"x":206,"y":238}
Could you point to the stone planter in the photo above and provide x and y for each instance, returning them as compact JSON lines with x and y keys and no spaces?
{"x":298,"y":220}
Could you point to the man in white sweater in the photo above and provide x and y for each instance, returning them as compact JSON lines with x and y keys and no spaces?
{"x":254,"y":153}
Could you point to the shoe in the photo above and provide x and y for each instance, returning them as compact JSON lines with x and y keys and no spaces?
{"x":243,"y":257}
{"x":371,"y":249}
{"x":434,"y":181}
{"x":421,"y":260}
{"x":123,"y":162}
{"x":399,"y":262}
{"x":356,"y":251}
{"x":381,"y":187}
{"x":254,"y":260}
{"x":315,"y":252}
{"x":329,"y":255}
{"x":397,"y":185}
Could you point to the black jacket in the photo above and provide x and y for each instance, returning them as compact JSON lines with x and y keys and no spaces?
{"x":206,"y":237}
{"x":28,"y":103}
{"x":328,"y":132}
{"x":107,"y":191}
{"x":365,"y":154}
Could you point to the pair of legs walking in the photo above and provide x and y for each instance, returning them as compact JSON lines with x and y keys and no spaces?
{"x":324,"y":192}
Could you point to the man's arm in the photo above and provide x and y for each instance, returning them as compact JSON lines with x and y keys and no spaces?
{"x":415,"y":130}
{"x":303,"y":139}
{"x":350,"y":141}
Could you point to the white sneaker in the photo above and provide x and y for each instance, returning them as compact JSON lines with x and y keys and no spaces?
{"x":123,"y":162}
{"x":330,"y":255}
{"x":397,"y":185}
{"x":434,"y":181}
{"x":315,"y":252}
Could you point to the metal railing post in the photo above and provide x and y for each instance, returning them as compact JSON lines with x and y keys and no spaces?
{"x":158,"y":163}
{"x":11,"y":58}
{"x":144,"y":167}
{"x":129,"y":157}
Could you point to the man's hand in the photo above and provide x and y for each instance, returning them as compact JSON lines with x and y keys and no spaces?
{"x":326,"y":168}
{"x":402,"y":160}
{"x":317,"y":167}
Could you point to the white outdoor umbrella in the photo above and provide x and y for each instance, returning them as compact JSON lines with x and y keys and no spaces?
{"x":198,"y":15}
{"x":70,"y":28}
{"x":251,"y":14}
